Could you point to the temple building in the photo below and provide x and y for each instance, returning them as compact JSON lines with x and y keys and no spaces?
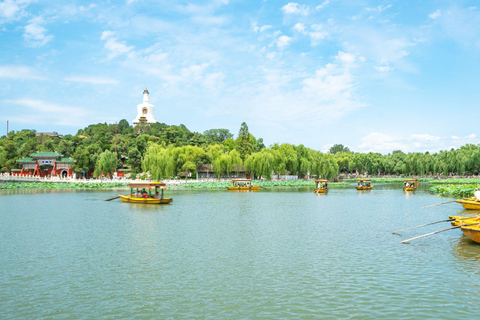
{"x":145,"y":111}
{"x":44,"y":164}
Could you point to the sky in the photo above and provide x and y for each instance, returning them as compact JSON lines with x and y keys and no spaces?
{"x":376,"y":76}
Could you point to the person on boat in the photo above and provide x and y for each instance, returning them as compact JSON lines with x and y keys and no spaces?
{"x":477,"y":195}
{"x":157,"y":195}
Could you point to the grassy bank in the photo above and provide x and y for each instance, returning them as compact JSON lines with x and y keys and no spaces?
{"x":54,"y":185}
{"x":266,"y":184}
{"x":465,"y":190}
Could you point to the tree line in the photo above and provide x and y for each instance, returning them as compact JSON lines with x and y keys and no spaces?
{"x":168,"y":151}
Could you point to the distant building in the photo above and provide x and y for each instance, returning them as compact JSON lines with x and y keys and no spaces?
{"x":43,"y":164}
{"x":48,"y":134}
{"x":205,"y":171}
{"x":145,"y":111}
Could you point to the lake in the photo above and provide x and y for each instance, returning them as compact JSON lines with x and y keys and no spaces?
{"x":276,"y":254}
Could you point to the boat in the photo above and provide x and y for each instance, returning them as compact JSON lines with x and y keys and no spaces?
{"x":364,"y":184}
{"x":469,"y":203}
{"x":459,"y":220}
{"x":472,"y":231}
{"x":243,"y":185}
{"x":410,"y":184}
{"x":321,"y":186}
{"x":146,"y":193}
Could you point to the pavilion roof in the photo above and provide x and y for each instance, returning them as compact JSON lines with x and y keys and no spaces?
{"x":67,"y":160}
{"x":46,"y":154}
{"x":26,"y":160}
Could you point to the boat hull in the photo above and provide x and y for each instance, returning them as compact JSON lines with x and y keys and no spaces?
{"x":463,"y":220}
{"x":252,"y":188}
{"x":321,"y":190}
{"x":409,"y":189}
{"x":473,"y":232}
{"x":145,"y":201}
{"x":364,"y":188}
{"x":469,"y":204}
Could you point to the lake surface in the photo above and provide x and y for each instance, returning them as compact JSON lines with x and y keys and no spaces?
{"x":276,"y":254}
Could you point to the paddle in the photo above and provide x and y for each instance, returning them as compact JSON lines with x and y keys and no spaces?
{"x":437,"y":204}
{"x":113,"y":198}
{"x":423,"y":225}
{"x":431,"y":233}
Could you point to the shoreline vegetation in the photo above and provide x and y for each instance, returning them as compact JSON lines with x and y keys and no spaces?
{"x":457,"y":187}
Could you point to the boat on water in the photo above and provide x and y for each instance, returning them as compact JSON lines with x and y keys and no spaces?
{"x":321,"y":186}
{"x":243,"y":185}
{"x":364,"y":184}
{"x":146,"y":193}
{"x":472,"y":231}
{"x":410,"y":184}
{"x":459,"y":220}
{"x":469,"y":203}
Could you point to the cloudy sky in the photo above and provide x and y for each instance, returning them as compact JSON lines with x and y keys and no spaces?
{"x":373,"y":75}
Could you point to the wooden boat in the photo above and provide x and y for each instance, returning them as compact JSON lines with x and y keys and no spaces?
{"x":459,"y":220}
{"x":146,"y":193}
{"x":364,"y":184}
{"x":472,"y":231}
{"x":410,"y":184}
{"x":469,"y":203}
{"x":243,"y":185}
{"x":321,"y":186}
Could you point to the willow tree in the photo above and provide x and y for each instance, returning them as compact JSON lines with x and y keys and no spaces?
{"x":227,"y":163}
{"x":324,"y":165}
{"x":3,"y":157}
{"x":261,"y":164}
{"x":106,"y":164}
{"x":187,"y":158}
{"x":158,"y":160}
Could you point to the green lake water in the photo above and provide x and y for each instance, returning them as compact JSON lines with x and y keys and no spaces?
{"x":274,"y":254}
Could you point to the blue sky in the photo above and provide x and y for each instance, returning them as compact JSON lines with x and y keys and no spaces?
{"x":373,"y":75}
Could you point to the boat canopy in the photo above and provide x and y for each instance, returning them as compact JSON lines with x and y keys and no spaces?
{"x":415,"y":179}
{"x":364,"y":180}
{"x":146,"y":185}
{"x":321,"y":180}
{"x":241,"y":180}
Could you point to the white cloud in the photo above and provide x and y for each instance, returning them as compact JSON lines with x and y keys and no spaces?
{"x":116,"y":48}
{"x":425,"y":137}
{"x":379,"y":8}
{"x":41,"y":112}
{"x":322,"y":5}
{"x":295,"y":8}
{"x":13,"y":9}
{"x":92,"y":80}
{"x":34,"y":34}
{"x":384,"y":68}
{"x":435,"y":14}
{"x":300,"y":27}
{"x":19,"y":72}
{"x":283,"y":41}
{"x":383,"y":143}
{"x":346,"y":57}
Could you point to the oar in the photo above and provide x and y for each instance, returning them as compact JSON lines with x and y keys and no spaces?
{"x":262,"y":187}
{"x":437,"y":204}
{"x":431,"y":233}
{"x":113,"y":198}
{"x":423,"y":225}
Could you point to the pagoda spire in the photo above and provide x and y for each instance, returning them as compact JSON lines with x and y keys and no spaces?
{"x":145,"y":95}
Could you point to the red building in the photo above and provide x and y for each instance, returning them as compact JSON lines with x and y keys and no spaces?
{"x":46,"y":164}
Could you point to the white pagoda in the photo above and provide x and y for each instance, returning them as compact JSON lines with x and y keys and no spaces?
{"x":145,"y":111}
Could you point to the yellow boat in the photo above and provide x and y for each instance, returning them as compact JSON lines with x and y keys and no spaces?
{"x":321,"y":186}
{"x":472,"y":231}
{"x":243,"y":185}
{"x":410,"y":184}
{"x":469,"y":203}
{"x":459,"y":220}
{"x":364,"y":184}
{"x":142,"y":193}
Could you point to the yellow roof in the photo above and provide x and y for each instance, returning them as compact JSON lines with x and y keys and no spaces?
{"x":242,"y":180}
{"x":321,"y":180}
{"x":366,"y":180}
{"x":146,"y":184}
{"x":415,"y":179}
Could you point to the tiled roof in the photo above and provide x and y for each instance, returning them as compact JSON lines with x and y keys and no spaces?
{"x":26,"y":160}
{"x":46,"y":154}
{"x":67,"y":160}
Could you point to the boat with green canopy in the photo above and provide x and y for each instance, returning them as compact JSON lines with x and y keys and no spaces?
{"x":146,"y":193}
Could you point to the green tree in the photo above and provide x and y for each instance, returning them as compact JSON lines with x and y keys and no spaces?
{"x":336,"y":148}
{"x":107,"y":163}
{"x":245,"y":145}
